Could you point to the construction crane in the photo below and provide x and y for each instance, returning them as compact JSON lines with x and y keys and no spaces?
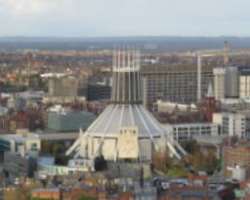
{"x":225,"y":53}
{"x":29,"y":63}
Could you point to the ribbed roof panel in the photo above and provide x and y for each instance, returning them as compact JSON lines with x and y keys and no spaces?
{"x":117,"y":116}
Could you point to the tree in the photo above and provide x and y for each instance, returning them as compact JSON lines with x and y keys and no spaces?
{"x":204,"y":162}
{"x":83,"y":197}
{"x":177,"y":171}
{"x":211,"y":162}
{"x":162,"y":161}
{"x":100,"y":163}
{"x":46,"y":147}
{"x":190,"y":146}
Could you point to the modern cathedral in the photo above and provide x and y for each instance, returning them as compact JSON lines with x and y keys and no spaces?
{"x":125,"y":130}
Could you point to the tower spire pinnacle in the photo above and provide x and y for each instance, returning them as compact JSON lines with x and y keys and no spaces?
{"x":210,"y":92}
{"x":127,"y":86}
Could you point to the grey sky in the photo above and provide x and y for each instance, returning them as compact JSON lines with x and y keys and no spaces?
{"x":124,"y":17}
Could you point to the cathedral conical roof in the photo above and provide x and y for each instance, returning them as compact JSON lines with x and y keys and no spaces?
{"x":126,"y":109}
{"x":116,"y":116}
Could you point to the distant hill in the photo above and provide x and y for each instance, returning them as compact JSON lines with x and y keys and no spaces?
{"x":157,"y":44}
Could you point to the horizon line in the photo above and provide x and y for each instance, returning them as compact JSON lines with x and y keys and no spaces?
{"x":128,"y":36}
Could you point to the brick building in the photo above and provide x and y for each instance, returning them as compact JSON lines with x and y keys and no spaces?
{"x":91,"y":192}
{"x":48,"y":193}
{"x":236,"y":155}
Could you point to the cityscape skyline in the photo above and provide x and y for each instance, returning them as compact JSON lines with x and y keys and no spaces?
{"x":124,"y":100}
{"x":128,"y":18}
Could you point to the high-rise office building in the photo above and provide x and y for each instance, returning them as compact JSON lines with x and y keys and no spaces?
{"x":177,"y":83}
{"x":66,"y":86}
{"x":98,"y":92}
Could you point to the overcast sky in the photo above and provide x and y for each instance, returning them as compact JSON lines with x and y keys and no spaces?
{"x":83,"y":18}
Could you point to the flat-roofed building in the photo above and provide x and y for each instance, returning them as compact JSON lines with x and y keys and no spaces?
{"x":23,"y":144}
{"x":98,"y":92}
{"x":244,"y":82}
{"x":175,"y":83}
{"x":219,"y":83}
{"x":64,"y":86}
{"x":68,"y":121}
{"x":19,"y":166}
{"x":189,"y":131}
{"x":226,"y":82}
{"x":232,"y":124}
{"x":170,"y":107}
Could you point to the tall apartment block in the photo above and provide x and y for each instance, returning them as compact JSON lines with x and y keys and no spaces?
{"x":244,"y":82}
{"x":219,"y":83}
{"x":226,"y":82}
{"x":232,"y":82}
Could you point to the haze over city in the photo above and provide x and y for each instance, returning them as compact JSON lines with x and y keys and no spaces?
{"x":124,"y":99}
{"x":85,"y":18}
